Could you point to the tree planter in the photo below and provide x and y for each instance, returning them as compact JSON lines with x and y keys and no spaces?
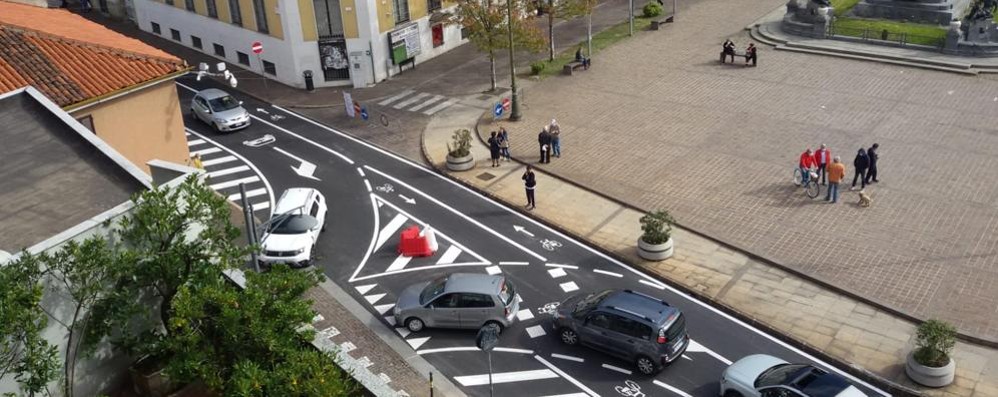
{"x":460,"y":163}
{"x":148,"y":378}
{"x":929,"y":376}
{"x":655,"y":252}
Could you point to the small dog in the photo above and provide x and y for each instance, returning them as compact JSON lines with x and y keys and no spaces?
{"x":864,"y":199}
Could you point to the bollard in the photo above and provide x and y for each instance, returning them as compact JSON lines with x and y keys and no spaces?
{"x":431,"y":383}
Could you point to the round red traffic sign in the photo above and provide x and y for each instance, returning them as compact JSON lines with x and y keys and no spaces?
{"x":257,"y":47}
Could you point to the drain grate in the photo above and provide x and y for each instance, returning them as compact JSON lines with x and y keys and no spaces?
{"x":486,"y":176}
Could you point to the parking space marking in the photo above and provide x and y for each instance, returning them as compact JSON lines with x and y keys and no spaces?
{"x":561,"y":266}
{"x":535,"y":331}
{"x":557,"y":272}
{"x":228,"y":171}
{"x":618,"y":369}
{"x":389,"y":230}
{"x":363,"y":289}
{"x":524,"y":315}
{"x":384,"y":308}
{"x":505,"y":377}
{"x":374,"y":298}
{"x":450,"y":255}
{"x":493,"y":270}
{"x":220,"y":160}
{"x":607,"y":273}
{"x":417,"y":342}
{"x":567,"y":377}
{"x":569,"y":286}
{"x":670,"y":388}
{"x":399,"y":263}
{"x":651,"y":284}
{"x":569,"y":358}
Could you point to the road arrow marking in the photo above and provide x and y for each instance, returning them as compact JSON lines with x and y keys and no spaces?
{"x":306,"y":169}
{"x":520,"y":229}
{"x":408,"y":200}
{"x":261,"y":110}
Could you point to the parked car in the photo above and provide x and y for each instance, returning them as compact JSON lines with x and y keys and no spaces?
{"x":290,"y":235}
{"x":761,"y":375}
{"x":630,"y":325}
{"x":220,"y":110}
{"x":459,"y":300}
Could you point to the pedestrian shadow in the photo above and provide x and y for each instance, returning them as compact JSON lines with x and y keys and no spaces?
{"x":785,"y":195}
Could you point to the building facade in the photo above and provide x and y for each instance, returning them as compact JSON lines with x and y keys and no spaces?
{"x":340,"y":42}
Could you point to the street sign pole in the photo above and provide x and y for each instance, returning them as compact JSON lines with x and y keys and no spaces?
{"x":487,"y":339}
{"x":250,"y":225}
{"x":491,"y":389}
{"x":630,"y":18}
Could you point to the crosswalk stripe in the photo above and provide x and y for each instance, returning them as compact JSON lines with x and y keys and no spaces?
{"x":236,"y":182}
{"x":251,"y":193}
{"x":411,"y":101}
{"x":203,"y":152}
{"x":372,"y":299}
{"x":228,"y":171}
{"x":399,"y":263}
{"x":390,"y":230}
{"x":439,"y":107}
{"x":261,"y":205}
{"x":450,"y":255}
{"x":505,"y":377}
{"x":426,"y":103}
{"x":401,"y":95}
{"x":226,"y":159}
{"x":195,"y":142}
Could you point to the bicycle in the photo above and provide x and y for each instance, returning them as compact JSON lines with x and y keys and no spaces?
{"x":813,"y":189}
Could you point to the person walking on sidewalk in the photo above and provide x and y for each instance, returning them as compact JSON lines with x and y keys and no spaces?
{"x":555,"y":138}
{"x":862,"y":162}
{"x":806,"y":163}
{"x":494,"y":148}
{"x":871,"y":174}
{"x":836,"y":171}
{"x":822,"y":157}
{"x":504,"y":143}
{"x":529,"y":182}
{"x":544,"y":140}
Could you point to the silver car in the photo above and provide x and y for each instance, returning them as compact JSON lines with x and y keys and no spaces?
{"x":220,"y":110}
{"x":761,"y":375}
{"x":460,"y":300}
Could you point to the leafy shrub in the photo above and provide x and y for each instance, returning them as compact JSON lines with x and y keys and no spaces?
{"x":935,"y":340}
{"x":652,"y":9}
{"x":537,"y":67}
{"x":657,"y":227}
{"x":462,"y":143}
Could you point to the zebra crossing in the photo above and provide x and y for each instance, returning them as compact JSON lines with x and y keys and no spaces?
{"x":426,"y":103}
{"x":226,"y":170}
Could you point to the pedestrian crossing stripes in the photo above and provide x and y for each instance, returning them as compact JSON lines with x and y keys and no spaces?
{"x":425,"y":103}
{"x":410,"y":101}
{"x":439,"y":107}
{"x":400,"y":95}
{"x":428,"y":102}
{"x":226,"y":170}
{"x":220,"y":160}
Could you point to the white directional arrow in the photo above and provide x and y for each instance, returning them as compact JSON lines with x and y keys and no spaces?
{"x":306,"y":169}
{"x":408,"y":200}
{"x":261,"y":110}
{"x":520,"y":229}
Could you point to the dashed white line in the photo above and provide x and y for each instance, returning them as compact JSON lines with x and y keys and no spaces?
{"x":566,"y":376}
{"x":672,"y":389}
{"x":228,"y":171}
{"x":535,"y":331}
{"x":569,"y":286}
{"x":361,"y":172}
{"x":561,"y":266}
{"x":569,"y":358}
{"x":651,"y":284}
{"x":607,"y":273}
{"x":557,"y":272}
{"x":220,"y":160}
{"x":368,"y":184}
{"x":618,"y":369}
{"x":505,"y":377}
{"x":504,"y":263}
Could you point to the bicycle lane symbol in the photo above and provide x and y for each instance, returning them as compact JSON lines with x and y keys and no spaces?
{"x":630,"y":389}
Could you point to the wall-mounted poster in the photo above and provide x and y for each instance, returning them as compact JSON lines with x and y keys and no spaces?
{"x":404,"y":42}
{"x":333,"y":58}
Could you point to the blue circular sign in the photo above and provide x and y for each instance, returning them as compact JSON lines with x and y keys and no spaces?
{"x":498,"y":109}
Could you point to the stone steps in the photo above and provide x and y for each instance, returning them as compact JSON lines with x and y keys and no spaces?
{"x":919,"y":65}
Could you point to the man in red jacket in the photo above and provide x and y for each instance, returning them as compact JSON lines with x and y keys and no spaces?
{"x":822,"y":158}
{"x":806,"y":164}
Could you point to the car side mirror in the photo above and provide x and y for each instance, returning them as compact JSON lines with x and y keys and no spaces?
{"x":208,"y":110}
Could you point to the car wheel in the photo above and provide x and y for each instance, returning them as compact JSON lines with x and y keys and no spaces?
{"x":569,"y":337}
{"x":732,"y":393}
{"x":645,"y":365}
{"x":497,"y":324}
{"x":414,"y":324}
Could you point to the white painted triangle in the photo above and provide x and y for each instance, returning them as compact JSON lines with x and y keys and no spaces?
{"x":440,"y":235}
{"x":384,"y":308}
{"x":374,"y":298}
{"x":364,"y":288}
{"x":450,"y":255}
{"x":417,"y":342}
{"x":403,"y":331}
{"x":390,"y":320}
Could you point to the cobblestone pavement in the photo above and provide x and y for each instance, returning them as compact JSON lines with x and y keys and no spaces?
{"x":659,"y":123}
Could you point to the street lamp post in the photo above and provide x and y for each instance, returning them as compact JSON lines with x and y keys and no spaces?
{"x":514,"y":113}
{"x":630,"y":17}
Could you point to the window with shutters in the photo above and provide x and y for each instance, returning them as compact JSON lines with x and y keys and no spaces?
{"x":401,"y":8}
{"x":212,"y":8}
{"x":260,"y":10}
{"x":235,"y":12}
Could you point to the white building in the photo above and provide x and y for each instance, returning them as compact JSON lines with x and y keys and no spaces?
{"x":342,"y":42}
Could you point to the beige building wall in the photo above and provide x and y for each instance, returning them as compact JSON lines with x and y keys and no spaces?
{"x":386,"y":17}
{"x":349,"y":16}
{"x":417,"y":9}
{"x":142,"y":125}
{"x":306,"y":11}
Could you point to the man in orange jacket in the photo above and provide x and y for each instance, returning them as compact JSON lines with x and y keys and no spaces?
{"x":836,"y":171}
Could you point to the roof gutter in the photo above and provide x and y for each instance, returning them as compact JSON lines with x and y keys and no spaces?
{"x":122,"y":92}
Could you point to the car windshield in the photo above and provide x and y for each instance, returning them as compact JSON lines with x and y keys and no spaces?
{"x":431,"y":291}
{"x":507,"y":292}
{"x":589,"y":302}
{"x":292,"y":224}
{"x":224,"y":103}
{"x":778,"y":374}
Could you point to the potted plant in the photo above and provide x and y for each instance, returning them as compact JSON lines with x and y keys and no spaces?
{"x":459,"y":156}
{"x":930,"y":363}
{"x":655,"y":243}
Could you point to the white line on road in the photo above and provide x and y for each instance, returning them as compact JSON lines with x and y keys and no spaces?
{"x":233,"y":156}
{"x":651,"y":284}
{"x":363,"y":289}
{"x":514,"y":263}
{"x":399,"y":263}
{"x":493,"y":270}
{"x":618,"y":369}
{"x":372,"y":299}
{"x":418,"y":268}
{"x":374,"y":238}
{"x":252,"y":193}
{"x":261,"y":205}
{"x":361,"y":172}
{"x":698,"y":348}
{"x":227,"y":171}
{"x":561,"y":266}
{"x":473,"y":349}
{"x":411,"y":101}
{"x":569,"y":358}
{"x":220,"y":160}
{"x":567,"y":377}
{"x":368,"y":184}
{"x":672,"y":389}
{"x":389,"y":230}
{"x":505,"y":377}
{"x":400,"y":95}
{"x":195,"y":142}
{"x":524,"y":315}
{"x":384,"y":308}
{"x":416,"y":342}
{"x":204,"y":152}
{"x":442,"y":106}
{"x":569,"y":286}
{"x":450,"y":255}
{"x":607,"y":273}
{"x":235,"y":182}
{"x":426,"y":103}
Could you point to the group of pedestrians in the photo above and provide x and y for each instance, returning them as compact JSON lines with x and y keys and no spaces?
{"x":728,"y":50}
{"x":549,"y":140}
{"x":830,"y":170}
{"x":499,"y":146}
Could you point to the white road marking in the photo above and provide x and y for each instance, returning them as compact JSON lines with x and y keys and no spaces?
{"x":372,"y":299}
{"x":384,"y":308}
{"x":235,"y":182}
{"x":368,"y":184}
{"x":535,"y":331}
{"x":473,"y":349}
{"x":227,"y":171}
{"x":558,"y":272}
{"x":698,"y":348}
{"x":399,"y":263}
{"x":686,"y":357}
{"x":361,"y":172}
{"x":385,"y":378}
{"x":442,"y":106}
{"x":618,"y":369}
{"x":329,"y":332}
{"x":569,"y":358}
{"x":411,"y":101}
{"x":567,"y":377}
{"x":220,"y":160}
{"x":370,"y":247}
{"x":418,"y":268}
{"x":261,"y":206}
{"x":195,"y":142}
{"x":233,"y":156}
{"x":400,"y":95}
{"x":403,"y":332}
{"x":416,"y":342}
{"x":561,"y":266}
{"x":251,"y":193}
{"x":426,"y":103}
{"x":505,"y":377}
{"x":204,"y":152}
{"x":569,"y":286}
{"x":670,"y":388}
{"x":503,"y":263}
{"x":512,"y":350}
{"x":363,"y":289}
{"x":651,"y":284}
{"x":607,"y":273}
{"x":390,"y":320}
{"x":524,"y":315}
{"x":493,"y":270}
{"x":450,"y":255}
{"x":389,"y":230}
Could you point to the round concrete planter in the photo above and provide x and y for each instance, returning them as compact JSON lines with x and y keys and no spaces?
{"x":655,"y":252}
{"x":929,"y":376}
{"x":460,"y":163}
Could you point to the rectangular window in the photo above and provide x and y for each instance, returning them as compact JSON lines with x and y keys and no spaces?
{"x":155,"y":28}
{"x":88,"y":121}
{"x":434,"y":5}
{"x":269,"y":68}
{"x":464,"y":33}
{"x":260,"y":10}
{"x":196,"y":42}
{"x":212,"y":8}
{"x":327,"y":18}
{"x":235,"y":12}
{"x":175,"y":34}
{"x":189,"y":4}
{"x":219,"y":50}
{"x":438,"y":35}
{"x":243,"y":58}
{"x":401,"y":8}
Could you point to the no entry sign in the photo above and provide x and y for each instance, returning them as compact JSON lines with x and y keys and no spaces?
{"x":257,"y":47}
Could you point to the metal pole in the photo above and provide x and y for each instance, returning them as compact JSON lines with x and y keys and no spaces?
{"x":630,"y":17}
{"x":674,"y":10}
{"x":431,"y":383}
{"x":491,"y":390}
{"x":514,"y":113}
{"x":250,"y":225}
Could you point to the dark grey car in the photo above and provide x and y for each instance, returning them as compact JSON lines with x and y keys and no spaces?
{"x":220,"y":110}
{"x":459,"y":300}
{"x":630,"y":325}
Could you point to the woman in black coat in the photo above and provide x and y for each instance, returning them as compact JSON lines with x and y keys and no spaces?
{"x":861,"y":163}
{"x":494,"y":148}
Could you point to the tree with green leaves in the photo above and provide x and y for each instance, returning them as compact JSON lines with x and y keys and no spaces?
{"x":486,"y":23}
{"x":24,"y":352}
{"x":251,"y":342}
{"x":583,"y":8}
{"x":554,"y":9}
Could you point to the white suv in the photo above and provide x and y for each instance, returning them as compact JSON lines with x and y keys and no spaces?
{"x":290,"y":235}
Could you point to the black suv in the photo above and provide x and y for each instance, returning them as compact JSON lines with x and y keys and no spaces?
{"x":633,"y":326}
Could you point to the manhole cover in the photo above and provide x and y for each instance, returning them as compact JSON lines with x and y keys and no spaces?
{"x":485,"y":176}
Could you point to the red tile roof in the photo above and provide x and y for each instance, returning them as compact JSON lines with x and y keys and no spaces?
{"x":71,"y":59}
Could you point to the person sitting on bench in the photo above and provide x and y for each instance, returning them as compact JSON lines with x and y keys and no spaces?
{"x":583,"y":60}
{"x":749,"y":54}
{"x":728,"y":50}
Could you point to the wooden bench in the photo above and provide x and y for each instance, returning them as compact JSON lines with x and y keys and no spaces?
{"x":658,"y":22}
{"x":572,"y":65}
{"x":737,"y":55}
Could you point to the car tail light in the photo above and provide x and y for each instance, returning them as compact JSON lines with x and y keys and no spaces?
{"x":505,"y":311}
{"x":661,"y":337}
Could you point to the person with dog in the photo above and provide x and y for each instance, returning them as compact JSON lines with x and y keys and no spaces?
{"x":836,"y":172}
{"x":806,"y":164}
{"x":822,"y":157}
{"x":728,"y":49}
{"x":871,"y":173}
{"x":862,"y":162}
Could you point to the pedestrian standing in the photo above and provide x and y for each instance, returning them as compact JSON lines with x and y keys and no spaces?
{"x":750,"y":54}
{"x":494,"y":148}
{"x":862,"y":162}
{"x":504,"y":143}
{"x":822,"y":157}
{"x":196,"y":161}
{"x":529,"y":182}
{"x":728,"y":49}
{"x":836,"y":171}
{"x":544,"y":140}
{"x":871,"y":173}
{"x":555,"y":138}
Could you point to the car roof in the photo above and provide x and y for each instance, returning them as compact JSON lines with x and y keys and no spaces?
{"x":293,"y":198}
{"x":821,"y":383}
{"x":639,"y":305}
{"x":473,"y":283}
{"x":212,"y":93}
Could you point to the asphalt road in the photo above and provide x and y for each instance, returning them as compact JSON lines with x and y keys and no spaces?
{"x":374,"y":194}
